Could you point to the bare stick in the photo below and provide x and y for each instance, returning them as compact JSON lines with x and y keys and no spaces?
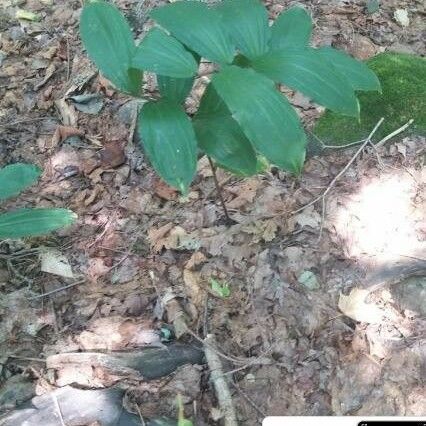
{"x":343,"y":171}
{"x":396,"y":132}
{"x":26,"y":358}
{"x":56,"y":290}
{"x":219,"y":190}
{"x":221,"y":386}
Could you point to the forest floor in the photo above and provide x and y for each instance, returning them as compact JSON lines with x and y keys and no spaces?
{"x":141,"y":259}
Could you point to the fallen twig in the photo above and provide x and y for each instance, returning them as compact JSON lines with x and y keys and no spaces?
{"x":354,"y":157}
{"x":343,"y":171}
{"x":56,"y":290}
{"x":220,"y":384}
{"x":396,"y":132}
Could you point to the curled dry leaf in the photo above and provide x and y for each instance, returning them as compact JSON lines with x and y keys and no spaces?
{"x":62,"y":133}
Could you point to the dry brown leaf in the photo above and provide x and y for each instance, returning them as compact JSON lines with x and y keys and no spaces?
{"x":97,"y":268}
{"x":308,"y":217}
{"x":93,"y":195}
{"x":196,"y":259}
{"x":192,"y":285}
{"x":156,"y":236}
{"x":164,"y":191}
{"x":112,"y":155}
{"x":245,"y":192}
{"x":62,"y":133}
{"x":354,"y":306}
{"x":262,"y":230}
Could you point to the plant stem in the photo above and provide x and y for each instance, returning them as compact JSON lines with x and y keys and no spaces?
{"x":219,"y":190}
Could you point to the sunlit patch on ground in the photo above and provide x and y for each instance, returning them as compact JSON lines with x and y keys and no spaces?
{"x":385,"y":220}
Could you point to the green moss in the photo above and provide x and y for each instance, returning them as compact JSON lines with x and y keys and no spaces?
{"x":403,"y":80}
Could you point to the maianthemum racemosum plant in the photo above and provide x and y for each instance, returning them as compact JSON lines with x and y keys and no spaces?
{"x":242,"y":115}
{"x":27,"y":222}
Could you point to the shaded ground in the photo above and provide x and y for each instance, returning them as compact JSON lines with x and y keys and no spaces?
{"x":140,"y":252}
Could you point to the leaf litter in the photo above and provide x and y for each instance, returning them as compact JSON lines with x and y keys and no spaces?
{"x":332,"y":350}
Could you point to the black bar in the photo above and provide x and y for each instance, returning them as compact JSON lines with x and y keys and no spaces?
{"x":392,"y":422}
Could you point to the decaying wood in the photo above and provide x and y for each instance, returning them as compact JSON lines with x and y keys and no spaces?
{"x":219,"y":381}
{"x":96,"y":369}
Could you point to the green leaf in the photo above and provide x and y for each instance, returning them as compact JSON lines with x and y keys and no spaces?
{"x":169,"y":141}
{"x":161,"y":53}
{"x":306,"y":70}
{"x":109,"y":42}
{"x":220,"y":288}
{"x":220,"y":136}
{"x":293,"y":28}
{"x":175,"y":89}
{"x":359,"y":76}
{"x":33,"y":222}
{"x":197,"y":26}
{"x":17,"y":177}
{"x":247,"y":23}
{"x":265,"y":116}
{"x":373,"y":6}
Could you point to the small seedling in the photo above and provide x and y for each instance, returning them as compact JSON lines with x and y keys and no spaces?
{"x":220,"y":288}
{"x":27,"y":222}
{"x":242,"y":114}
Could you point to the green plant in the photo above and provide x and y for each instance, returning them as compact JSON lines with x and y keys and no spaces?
{"x":241,"y":114}
{"x":27,"y":222}
{"x":403,"y":79}
{"x":220,"y":288}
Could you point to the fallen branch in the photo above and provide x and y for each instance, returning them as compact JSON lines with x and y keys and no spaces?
{"x":219,"y":381}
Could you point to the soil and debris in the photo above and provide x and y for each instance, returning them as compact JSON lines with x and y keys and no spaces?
{"x":323,"y":312}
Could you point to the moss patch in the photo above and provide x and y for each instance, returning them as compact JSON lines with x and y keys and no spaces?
{"x":403,"y":80}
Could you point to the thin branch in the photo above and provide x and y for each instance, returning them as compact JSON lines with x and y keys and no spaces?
{"x":219,"y":191}
{"x":396,"y":132}
{"x":57,"y":290}
{"x":343,"y":171}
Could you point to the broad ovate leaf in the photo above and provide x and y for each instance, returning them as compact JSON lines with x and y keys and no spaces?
{"x":293,"y":28}
{"x":265,"y":116}
{"x":34,"y":222}
{"x":17,"y":177}
{"x":162,"y":54}
{"x":198,"y":27}
{"x":247,"y":23}
{"x":169,"y":142}
{"x":109,"y":43}
{"x":306,"y":70}
{"x":175,"y":89}
{"x":221,"y":137}
{"x":359,"y":76}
